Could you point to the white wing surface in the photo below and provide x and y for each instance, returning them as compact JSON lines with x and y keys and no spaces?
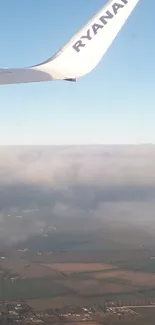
{"x":82,"y":53}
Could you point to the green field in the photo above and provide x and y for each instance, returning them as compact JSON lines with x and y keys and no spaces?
{"x":32,"y":289}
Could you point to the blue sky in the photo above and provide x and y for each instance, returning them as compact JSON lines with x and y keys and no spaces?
{"x":113,"y":104}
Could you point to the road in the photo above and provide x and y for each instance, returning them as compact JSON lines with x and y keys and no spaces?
{"x":147,"y":306}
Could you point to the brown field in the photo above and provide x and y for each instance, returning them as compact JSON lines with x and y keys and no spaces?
{"x":93,"y":287}
{"x":110,"y":288}
{"x":78,"y":285}
{"x":69,"y":268}
{"x":27,"y":269}
{"x":56,"y":302}
{"x":135,"y":278}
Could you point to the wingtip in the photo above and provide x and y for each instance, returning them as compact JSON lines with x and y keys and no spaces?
{"x":70,"y":79}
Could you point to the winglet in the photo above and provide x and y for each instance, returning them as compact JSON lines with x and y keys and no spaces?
{"x":82,"y":53}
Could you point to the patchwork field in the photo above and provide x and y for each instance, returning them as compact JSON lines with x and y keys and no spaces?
{"x":134,"y":278}
{"x":64,"y":283}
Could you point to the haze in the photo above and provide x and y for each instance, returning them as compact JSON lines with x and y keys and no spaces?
{"x":75,"y":189}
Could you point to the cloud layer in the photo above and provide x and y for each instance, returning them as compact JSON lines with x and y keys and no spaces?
{"x":112,"y":184}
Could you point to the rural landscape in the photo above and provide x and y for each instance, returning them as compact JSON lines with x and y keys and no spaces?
{"x":48,"y":276}
{"x":77,"y":245}
{"x":112,"y":285}
{"x":77,"y":163}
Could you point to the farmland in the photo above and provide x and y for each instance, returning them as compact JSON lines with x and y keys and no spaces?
{"x":134,"y":278}
{"x":27,"y":269}
{"x":32,"y":289}
{"x":71,"y":268}
{"x":63,"y":279}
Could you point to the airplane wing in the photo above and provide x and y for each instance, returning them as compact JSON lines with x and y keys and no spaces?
{"x":82,"y":53}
